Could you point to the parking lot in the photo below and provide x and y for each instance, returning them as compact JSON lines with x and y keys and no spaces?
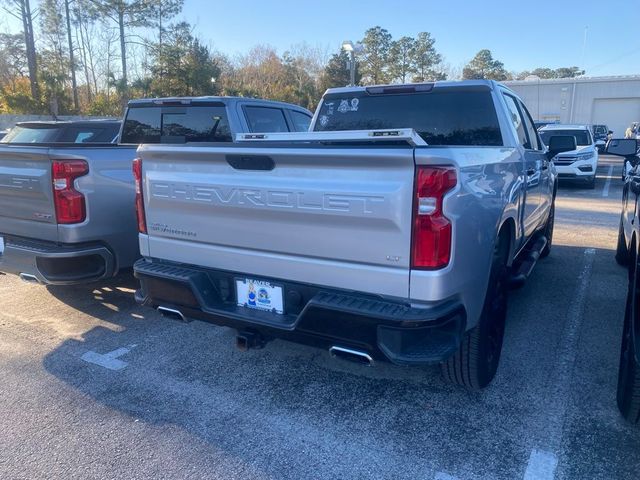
{"x":94,"y":386}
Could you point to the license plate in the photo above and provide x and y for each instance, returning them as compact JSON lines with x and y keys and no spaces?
{"x":259,"y":295}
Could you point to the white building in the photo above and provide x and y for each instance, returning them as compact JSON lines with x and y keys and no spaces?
{"x":613,"y":101}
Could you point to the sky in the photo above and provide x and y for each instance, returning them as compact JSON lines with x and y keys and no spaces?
{"x":523,"y":35}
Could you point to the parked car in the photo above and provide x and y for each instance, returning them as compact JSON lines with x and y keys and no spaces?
{"x":580,"y":164}
{"x":539,"y":124}
{"x":601,"y":135}
{"x":84,"y":131}
{"x":391,"y":232}
{"x":67,"y":210}
{"x":627,"y":253}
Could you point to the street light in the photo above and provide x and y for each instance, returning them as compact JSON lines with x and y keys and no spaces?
{"x":350,"y":48}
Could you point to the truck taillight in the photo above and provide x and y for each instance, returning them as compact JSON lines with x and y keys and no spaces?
{"x":137,"y":175}
{"x":69,"y":203}
{"x":431,"y":242}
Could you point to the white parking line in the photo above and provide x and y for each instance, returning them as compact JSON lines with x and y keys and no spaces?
{"x":542,"y":466}
{"x":607,"y":184}
{"x":108,"y":360}
{"x":542,"y":463}
{"x":444,"y":476}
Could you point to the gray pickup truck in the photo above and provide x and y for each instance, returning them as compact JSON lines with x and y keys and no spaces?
{"x":391,"y":232}
{"x":67,"y":208}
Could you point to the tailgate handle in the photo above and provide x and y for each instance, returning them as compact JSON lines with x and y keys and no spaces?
{"x":251,"y":162}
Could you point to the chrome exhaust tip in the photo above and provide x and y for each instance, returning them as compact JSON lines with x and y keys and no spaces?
{"x":172,"y":313}
{"x":29,"y":278}
{"x":356,"y":356}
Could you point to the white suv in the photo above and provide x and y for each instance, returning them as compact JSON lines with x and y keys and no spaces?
{"x":578,"y":164}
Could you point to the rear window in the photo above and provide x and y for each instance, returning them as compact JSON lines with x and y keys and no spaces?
{"x":19,"y":134}
{"x":301,"y":121}
{"x":441,"y":117}
{"x":266,"y":119}
{"x":102,"y":134}
{"x":162,"y":124}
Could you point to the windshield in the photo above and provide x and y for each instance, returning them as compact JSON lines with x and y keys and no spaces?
{"x":441,"y":117}
{"x":582,"y":136}
{"x":20,"y":134}
{"x":600,"y":129}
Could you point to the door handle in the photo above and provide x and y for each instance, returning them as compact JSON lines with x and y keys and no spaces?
{"x":531,"y":171}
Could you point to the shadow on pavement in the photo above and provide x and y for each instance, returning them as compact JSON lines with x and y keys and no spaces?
{"x":264,"y":407}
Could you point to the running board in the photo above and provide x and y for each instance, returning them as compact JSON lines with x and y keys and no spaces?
{"x":524,"y":265}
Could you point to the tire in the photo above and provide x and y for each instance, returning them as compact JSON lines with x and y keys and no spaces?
{"x":622,"y":253}
{"x":475,"y":363}
{"x":628,"y":394}
{"x":548,"y":230}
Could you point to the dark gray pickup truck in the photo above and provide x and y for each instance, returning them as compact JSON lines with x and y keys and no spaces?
{"x":80,"y":131}
{"x":67,"y":209}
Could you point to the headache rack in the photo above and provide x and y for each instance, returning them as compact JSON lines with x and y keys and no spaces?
{"x":402,"y":135}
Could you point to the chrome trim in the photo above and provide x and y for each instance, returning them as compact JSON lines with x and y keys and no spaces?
{"x":171,"y":312}
{"x":29,"y":278}
{"x":348,"y":351}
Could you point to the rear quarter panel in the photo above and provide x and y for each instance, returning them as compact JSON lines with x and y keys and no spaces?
{"x":110,"y":193}
{"x":488,"y":194}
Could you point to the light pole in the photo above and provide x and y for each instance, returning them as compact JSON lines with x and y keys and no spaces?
{"x":350,"y":48}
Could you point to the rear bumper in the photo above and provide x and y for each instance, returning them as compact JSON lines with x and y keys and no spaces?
{"x":385,"y":329}
{"x":56,"y":264}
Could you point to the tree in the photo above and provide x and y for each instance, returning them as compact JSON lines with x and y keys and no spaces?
{"x":568,"y":72}
{"x":21,"y":10}
{"x":374,"y":57}
{"x":53,"y":60}
{"x":187,"y":65}
{"x":126,"y":14}
{"x":483,"y":66}
{"x":426,"y":59}
{"x":336,"y":73}
{"x":72,"y":62}
{"x":402,"y":59}
{"x":163,"y":11}
{"x":546,"y":73}
{"x":13,"y":58}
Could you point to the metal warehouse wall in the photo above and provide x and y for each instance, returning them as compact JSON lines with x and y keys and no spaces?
{"x":614,"y":101}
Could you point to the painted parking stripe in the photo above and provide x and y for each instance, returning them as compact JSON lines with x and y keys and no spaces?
{"x":444,"y":476}
{"x":542,"y":463}
{"x":607,"y":184}
{"x":108,"y":360}
{"x":542,"y":466}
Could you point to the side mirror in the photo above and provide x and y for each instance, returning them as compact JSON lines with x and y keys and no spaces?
{"x":561,"y":143}
{"x":622,"y":147}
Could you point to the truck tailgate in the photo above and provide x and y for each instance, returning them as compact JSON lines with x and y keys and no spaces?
{"x":325,"y":216}
{"x":26,"y":193}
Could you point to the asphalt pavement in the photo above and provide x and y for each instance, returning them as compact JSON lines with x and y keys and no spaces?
{"x":93,"y":386}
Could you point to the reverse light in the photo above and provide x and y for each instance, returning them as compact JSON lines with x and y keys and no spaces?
{"x":137,"y":175}
{"x":69,"y":203}
{"x":432,"y":231}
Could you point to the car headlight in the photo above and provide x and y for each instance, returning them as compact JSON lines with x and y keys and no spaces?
{"x":586,"y":156}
